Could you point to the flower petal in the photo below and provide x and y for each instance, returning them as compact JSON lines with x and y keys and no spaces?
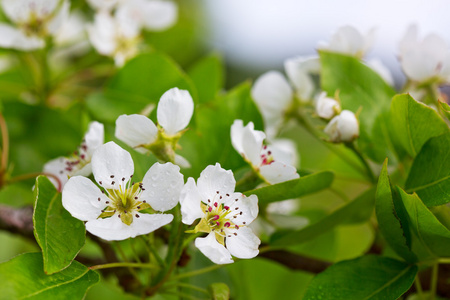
{"x":190,"y":201}
{"x":216,"y":252}
{"x":285,"y":151}
{"x":244,"y":244}
{"x":175,"y":109}
{"x":162,"y":186}
{"x":110,"y":163}
{"x":277,"y":172}
{"x":80,"y":197}
{"x":57,"y":167}
{"x":247,"y":141}
{"x":298,"y":70}
{"x":95,"y":137}
{"x":11,"y":37}
{"x":136,"y":130}
{"x":214,"y":179}
{"x":159,"y":15}
{"x":182,"y":162}
{"x":247,"y":205}
{"x":327,"y":107}
{"x":102,"y":33}
{"x":113,"y":229}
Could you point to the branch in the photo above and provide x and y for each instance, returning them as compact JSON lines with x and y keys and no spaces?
{"x":295,"y":261}
{"x":17,"y":220}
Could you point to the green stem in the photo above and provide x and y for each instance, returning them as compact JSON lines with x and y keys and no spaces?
{"x":370,"y":175}
{"x":444,"y":260}
{"x":196,"y":272}
{"x":123,"y":265}
{"x":188,"y":286}
{"x":419,"y":289}
{"x":434,"y":279}
{"x":34,"y":175}
{"x":149,"y":245}
{"x":5,"y":144}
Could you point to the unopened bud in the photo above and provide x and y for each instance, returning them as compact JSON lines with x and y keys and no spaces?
{"x":343,"y":128}
{"x":326,"y":107}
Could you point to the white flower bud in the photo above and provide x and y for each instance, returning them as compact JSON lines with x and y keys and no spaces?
{"x":343,"y":128}
{"x":326,"y":107}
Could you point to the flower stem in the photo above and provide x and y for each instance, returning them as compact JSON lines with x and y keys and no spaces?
{"x":434,"y":279}
{"x":149,"y":245}
{"x":5,"y":144}
{"x":34,"y":175}
{"x":123,"y":265}
{"x":371,"y":176}
{"x":197,"y":272}
{"x":419,"y":289}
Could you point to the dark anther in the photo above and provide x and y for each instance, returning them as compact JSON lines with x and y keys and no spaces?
{"x":100,"y":182}
{"x":228,"y":195}
{"x":138,"y":207}
{"x":123,"y":178}
{"x":112,"y":183}
{"x":112,"y":176}
{"x":137,"y":216}
{"x":98,"y":198}
{"x":107,"y":202}
{"x":217,"y":192}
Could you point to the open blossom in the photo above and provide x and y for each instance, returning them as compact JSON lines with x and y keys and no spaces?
{"x":80,"y":162}
{"x":326,"y":107}
{"x":348,"y":40}
{"x":274,"y":94}
{"x":223,"y":214}
{"x":174,"y":112}
{"x":427,"y":59}
{"x":343,"y":127}
{"x":115,"y":211}
{"x":270,"y":164}
{"x":35,"y":20}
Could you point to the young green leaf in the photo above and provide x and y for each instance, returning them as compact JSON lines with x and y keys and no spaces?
{"x":23,"y":278}
{"x":293,"y":188}
{"x":434,"y":236}
{"x":391,"y":220}
{"x":359,"y":209}
{"x":219,"y":291}
{"x":207,"y":75}
{"x":59,"y":235}
{"x":415,"y":123}
{"x":445,"y":108}
{"x":359,"y":86}
{"x":367,"y":277}
{"x":429,"y":176}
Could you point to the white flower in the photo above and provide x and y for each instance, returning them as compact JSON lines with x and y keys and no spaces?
{"x":80,"y":162}
{"x":343,"y":128}
{"x":267,"y":162}
{"x":326,"y":107}
{"x":348,"y":40}
{"x":424,"y":60}
{"x":115,"y":212}
{"x":174,"y":112}
{"x":224,"y":215}
{"x":104,"y":5}
{"x":378,"y":66}
{"x":35,"y":20}
{"x":274,"y":95}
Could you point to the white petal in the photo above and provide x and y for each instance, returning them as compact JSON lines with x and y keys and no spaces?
{"x":159,"y":15}
{"x":378,"y":66}
{"x":216,"y":252}
{"x":277,"y":172}
{"x":237,"y":134}
{"x":272,"y":93}
{"x":135,"y":130}
{"x":243,"y":245}
{"x":247,"y":141}
{"x":348,"y":126}
{"x":56,"y":167}
{"x":213,"y":179}
{"x":409,"y":40}
{"x":327,"y":107}
{"x":11,"y":37}
{"x":59,"y":17}
{"x":190,"y":200}
{"x":20,"y":12}
{"x":285,"y":151}
{"x":162,"y":184}
{"x":80,"y":197}
{"x":247,"y":205}
{"x":111,"y":160}
{"x":298,"y":70}
{"x":94,"y":137}
{"x":102,"y":33}
{"x":175,"y":109}
{"x":182,"y":162}
{"x":102,"y":4}
{"x":113,"y":229}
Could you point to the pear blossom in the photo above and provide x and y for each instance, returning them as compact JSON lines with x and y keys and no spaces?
{"x":384,"y":72}
{"x":348,"y":40}
{"x":326,"y":107}
{"x":224,"y":215}
{"x":275,"y":95}
{"x":103,"y":5}
{"x":80,"y":162}
{"x":35,"y":21}
{"x":424,"y":60}
{"x":174,"y":112}
{"x":115,"y":211}
{"x":343,"y":127}
{"x":270,"y":164}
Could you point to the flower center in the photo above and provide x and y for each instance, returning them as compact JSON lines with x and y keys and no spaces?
{"x":77,"y":161}
{"x":266,"y":156}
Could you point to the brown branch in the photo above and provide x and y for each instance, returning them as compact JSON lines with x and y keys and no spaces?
{"x":295,"y":261}
{"x":17,"y":220}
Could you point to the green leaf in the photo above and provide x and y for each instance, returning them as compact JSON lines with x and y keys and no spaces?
{"x":23,"y":278}
{"x":141,"y":82}
{"x":445,"y":108}
{"x":207,"y":75}
{"x":429,"y":176}
{"x":415,"y":123}
{"x":219,"y":291}
{"x":59,"y":235}
{"x":391,"y":220}
{"x":434,"y":236}
{"x":363,"y":278}
{"x":359,"y":86}
{"x":359,"y":209}
{"x":293,"y":188}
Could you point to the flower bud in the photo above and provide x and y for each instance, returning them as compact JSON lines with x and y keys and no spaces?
{"x":327,"y":107}
{"x":343,"y":128}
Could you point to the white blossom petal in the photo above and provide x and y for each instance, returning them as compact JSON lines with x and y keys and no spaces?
{"x":190,"y":200}
{"x":216,"y":252}
{"x":162,"y":184}
{"x":378,"y":66}
{"x":343,"y":128}
{"x":159,"y":15}
{"x":213,"y":179}
{"x":348,"y":40}
{"x":94,"y":137}
{"x":113,"y":229}
{"x":277,"y":172}
{"x":136,"y":130}
{"x":20,"y":12}
{"x":298,"y":70}
{"x":247,"y":205}
{"x":102,"y":33}
{"x":54,"y":167}
{"x":111,"y":160}
{"x":327,"y":107}
{"x":103,"y":4}
{"x":61,"y":16}
{"x":175,"y":109}
{"x":80,"y":198}
{"x":11,"y":37}
{"x":244,"y":244}
{"x":182,"y":162}
{"x":285,"y":151}
{"x":247,"y":141}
